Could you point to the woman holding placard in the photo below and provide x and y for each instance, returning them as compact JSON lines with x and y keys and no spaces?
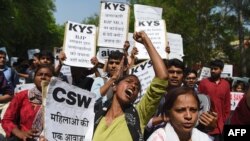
{"x":23,"y":118}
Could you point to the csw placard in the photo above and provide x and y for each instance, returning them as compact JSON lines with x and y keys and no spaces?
{"x":79,"y":44}
{"x":113,"y":24}
{"x":156,"y":31}
{"x":145,"y":72}
{"x":69,"y":112}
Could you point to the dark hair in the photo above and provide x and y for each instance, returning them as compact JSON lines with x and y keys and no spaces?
{"x":36,"y":55}
{"x":2,"y":52}
{"x":48,"y":54}
{"x":173,"y":94}
{"x":117,"y":55}
{"x":188,"y":71}
{"x":126,"y":76}
{"x":216,"y":63}
{"x":240,"y":83}
{"x":177,"y":63}
{"x":49,"y":66}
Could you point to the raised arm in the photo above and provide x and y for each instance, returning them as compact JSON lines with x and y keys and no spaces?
{"x":62,"y":57}
{"x":158,"y":64}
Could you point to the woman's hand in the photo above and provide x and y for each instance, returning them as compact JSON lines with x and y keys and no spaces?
{"x":209,"y":120}
{"x":24,"y":135}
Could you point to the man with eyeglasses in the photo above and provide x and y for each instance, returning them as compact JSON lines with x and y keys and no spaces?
{"x":190,"y":79}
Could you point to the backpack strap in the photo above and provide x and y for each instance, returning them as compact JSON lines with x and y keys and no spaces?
{"x":133,"y":123}
{"x":131,"y":117}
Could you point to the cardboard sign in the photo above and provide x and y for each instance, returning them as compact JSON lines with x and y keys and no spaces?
{"x":69,"y":112}
{"x":113,"y":24}
{"x":79,"y":44}
{"x":156,"y":31}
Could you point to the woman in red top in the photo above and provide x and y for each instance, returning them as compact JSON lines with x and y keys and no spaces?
{"x":23,"y":118}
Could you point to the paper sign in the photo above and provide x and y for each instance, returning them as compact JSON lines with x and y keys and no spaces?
{"x":69,"y":112}
{"x":205,"y":73}
{"x":156,"y":31}
{"x":105,"y":52}
{"x":235,"y":99}
{"x":79,"y":44}
{"x":145,"y":72}
{"x":145,"y":12}
{"x":13,"y":60}
{"x":31,"y":53}
{"x":227,"y":71}
{"x":113,"y":24}
{"x":175,"y":42}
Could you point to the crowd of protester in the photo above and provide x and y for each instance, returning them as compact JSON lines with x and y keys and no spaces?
{"x":175,"y":107}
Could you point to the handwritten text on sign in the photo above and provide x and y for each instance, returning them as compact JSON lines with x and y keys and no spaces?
{"x":113,"y":26}
{"x":156,"y":31}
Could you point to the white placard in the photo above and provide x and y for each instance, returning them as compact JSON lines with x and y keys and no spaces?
{"x":4,"y":49}
{"x":145,"y":72}
{"x":13,"y":60}
{"x":113,"y":24}
{"x":145,"y":12}
{"x":105,"y":52}
{"x":205,"y":73}
{"x":156,"y":31}
{"x":69,"y":112}
{"x":31,"y":53}
{"x":65,"y":70}
{"x":173,"y":55}
{"x":79,"y":44}
{"x":235,"y":99}
{"x":175,"y":43}
{"x":227,"y":71}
